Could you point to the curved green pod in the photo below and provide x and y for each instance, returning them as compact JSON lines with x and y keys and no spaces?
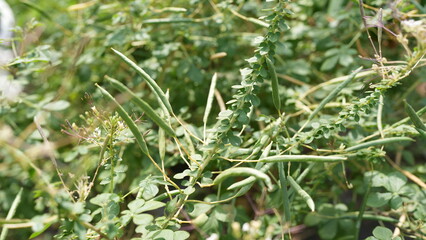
{"x":302,"y":193}
{"x":243,"y":171}
{"x":378,"y":142}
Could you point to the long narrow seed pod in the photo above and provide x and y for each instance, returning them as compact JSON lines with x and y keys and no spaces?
{"x":334,"y":93}
{"x":144,"y":106}
{"x":209,"y":104}
{"x":284,"y":191}
{"x":302,"y":193}
{"x":250,"y":179}
{"x":151,"y":82}
{"x":378,"y":142}
{"x":422,"y":133}
{"x":274,"y":83}
{"x":243,"y":171}
{"x":413,"y":116}
{"x":125,"y":116}
{"x":330,"y":97}
{"x":302,"y":158}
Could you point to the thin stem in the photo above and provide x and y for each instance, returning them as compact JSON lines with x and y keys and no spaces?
{"x":361,"y":211}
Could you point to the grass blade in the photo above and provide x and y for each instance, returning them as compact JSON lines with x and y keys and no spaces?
{"x":151,"y":82}
{"x":144,"y":106}
{"x":414,"y":117}
{"x":125,"y":116}
{"x":378,"y":142}
{"x":302,"y":158}
{"x":243,"y":171}
{"x":209,"y":103}
{"x":302,"y":193}
{"x":11,"y":212}
{"x":274,"y":83}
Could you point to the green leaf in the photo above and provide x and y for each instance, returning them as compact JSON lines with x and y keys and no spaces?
{"x":80,"y":231}
{"x":235,"y":140}
{"x":253,"y":99}
{"x":189,"y":190}
{"x":165,"y":234}
{"x":142,"y":219}
{"x":111,"y":230}
{"x":377,"y":199}
{"x":180,"y":235}
{"x":112,"y":210}
{"x":345,"y":60}
{"x":224,"y":213}
{"x":200,"y":208}
{"x":328,"y":230}
{"x":382,"y":233}
{"x":329,"y":63}
{"x":396,"y":202}
{"x":103,"y":199}
{"x":225,"y":114}
{"x":149,"y":188}
{"x":312,"y":219}
{"x":396,"y":181}
{"x":377,"y":179}
{"x":150,"y":205}
{"x":171,"y":205}
{"x":135,"y":205}
{"x":36,"y":234}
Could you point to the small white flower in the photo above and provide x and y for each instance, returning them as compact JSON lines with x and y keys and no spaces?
{"x":246,"y":227}
{"x":214,"y":236}
{"x":9,"y":90}
{"x":412,"y":23}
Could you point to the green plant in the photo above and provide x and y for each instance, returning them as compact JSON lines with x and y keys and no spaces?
{"x":289,"y":147}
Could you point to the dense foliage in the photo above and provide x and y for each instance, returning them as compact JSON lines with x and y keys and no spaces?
{"x":214,"y":119}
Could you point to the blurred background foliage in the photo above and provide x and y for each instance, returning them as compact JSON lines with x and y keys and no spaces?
{"x":62,"y":49}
